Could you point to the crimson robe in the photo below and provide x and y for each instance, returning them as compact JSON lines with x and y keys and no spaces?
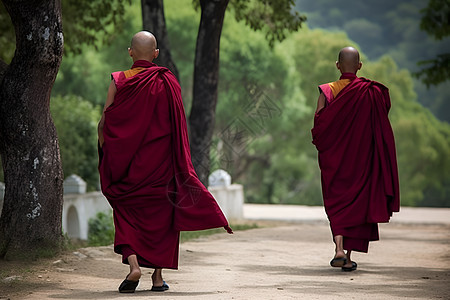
{"x":357,"y":159}
{"x":146,"y":170}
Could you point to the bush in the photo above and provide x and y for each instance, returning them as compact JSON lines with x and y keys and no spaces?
{"x":101,"y":230}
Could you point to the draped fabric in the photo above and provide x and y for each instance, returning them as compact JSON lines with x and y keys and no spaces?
{"x":146,"y":171}
{"x":357,"y":160}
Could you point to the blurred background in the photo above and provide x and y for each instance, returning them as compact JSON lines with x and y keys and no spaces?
{"x":276,"y":164}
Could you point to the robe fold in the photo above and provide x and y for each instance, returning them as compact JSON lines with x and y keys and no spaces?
{"x":146,"y":170}
{"x":357,"y":159}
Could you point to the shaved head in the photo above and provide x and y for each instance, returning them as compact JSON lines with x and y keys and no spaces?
{"x":348,"y":60}
{"x":143,"y":46}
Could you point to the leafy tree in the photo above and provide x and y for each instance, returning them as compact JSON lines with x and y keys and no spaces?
{"x":199,"y":94}
{"x":259,"y":117}
{"x":436,"y":22}
{"x":274,"y":16}
{"x":85,"y":22}
{"x":31,"y":217}
{"x":250,"y":69}
{"x":91,"y":22}
{"x":153,"y":20}
{"x":88,"y":75}
{"x":279,"y":165}
{"x":436,"y":71}
{"x":426,"y":168}
{"x":394,"y":29}
{"x":291,"y":174}
{"x":32,"y":205}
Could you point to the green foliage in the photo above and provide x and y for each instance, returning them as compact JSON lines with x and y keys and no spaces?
{"x":436,"y":18}
{"x":76,"y":123}
{"x":84,"y":22}
{"x":436,"y":22}
{"x":437,"y":70}
{"x":88,"y":75}
{"x":253,"y":75}
{"x":280,"y":164}
{"x":87,"y":22}
{"x":393,"y":27}
{"x":277,"y":163}
{"x":274,"y":17}
{"x":423,"y":143}
{"x":101,"y":230}
{"x":385,"y":27}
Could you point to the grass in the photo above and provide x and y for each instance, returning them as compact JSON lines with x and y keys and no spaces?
{"x":101,"y":232}
{"x":191,"y":235}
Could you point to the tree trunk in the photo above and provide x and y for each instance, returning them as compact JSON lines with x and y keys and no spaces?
{"x":206,"y":79}
{"x":3,"y":68}
{"x":30,"y":224}
{"x":154,"y":21}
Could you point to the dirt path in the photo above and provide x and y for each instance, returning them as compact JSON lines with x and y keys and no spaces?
{"x":282,"y":262}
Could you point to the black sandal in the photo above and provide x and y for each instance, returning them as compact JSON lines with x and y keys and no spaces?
{"x":349,"y":269}
{"x":338,"y":262}
{"x":128,"y":286}
{"x":162,"y":288}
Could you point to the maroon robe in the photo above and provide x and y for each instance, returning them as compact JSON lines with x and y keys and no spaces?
{"x":357,"y":160}
{"x":146,"y":170}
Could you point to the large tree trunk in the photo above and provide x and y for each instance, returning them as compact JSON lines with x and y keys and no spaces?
{"x":206,"y":79}
{"x":154,"y":21}
{"x":30,"y":223}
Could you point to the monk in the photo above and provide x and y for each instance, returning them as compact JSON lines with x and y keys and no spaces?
{"x":357,"y":158}
{"x":145,"y":167}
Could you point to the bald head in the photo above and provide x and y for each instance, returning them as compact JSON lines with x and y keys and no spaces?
{"x":143,"y":46}
{"x":348,"y":60}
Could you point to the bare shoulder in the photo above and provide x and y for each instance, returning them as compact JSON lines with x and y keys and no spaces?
{"x":111,"y":93}
{"x":320,"y":102}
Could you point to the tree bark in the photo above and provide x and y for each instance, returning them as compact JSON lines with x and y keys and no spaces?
{"x":3,"y":67}
{"x":30,"y":224}
{"x":206,"y":79}
{"x":153,"y":20}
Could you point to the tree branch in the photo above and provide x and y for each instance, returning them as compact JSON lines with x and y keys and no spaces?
{"x":436,"y":71}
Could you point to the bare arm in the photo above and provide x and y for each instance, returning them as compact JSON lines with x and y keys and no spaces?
{"x":320,"y":102}
{"x":109,"y":100}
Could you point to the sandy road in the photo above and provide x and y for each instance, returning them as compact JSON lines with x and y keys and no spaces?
{"x":287,"y":261}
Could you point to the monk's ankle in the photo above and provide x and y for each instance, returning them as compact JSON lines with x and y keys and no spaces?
{"x":157,"y":280}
